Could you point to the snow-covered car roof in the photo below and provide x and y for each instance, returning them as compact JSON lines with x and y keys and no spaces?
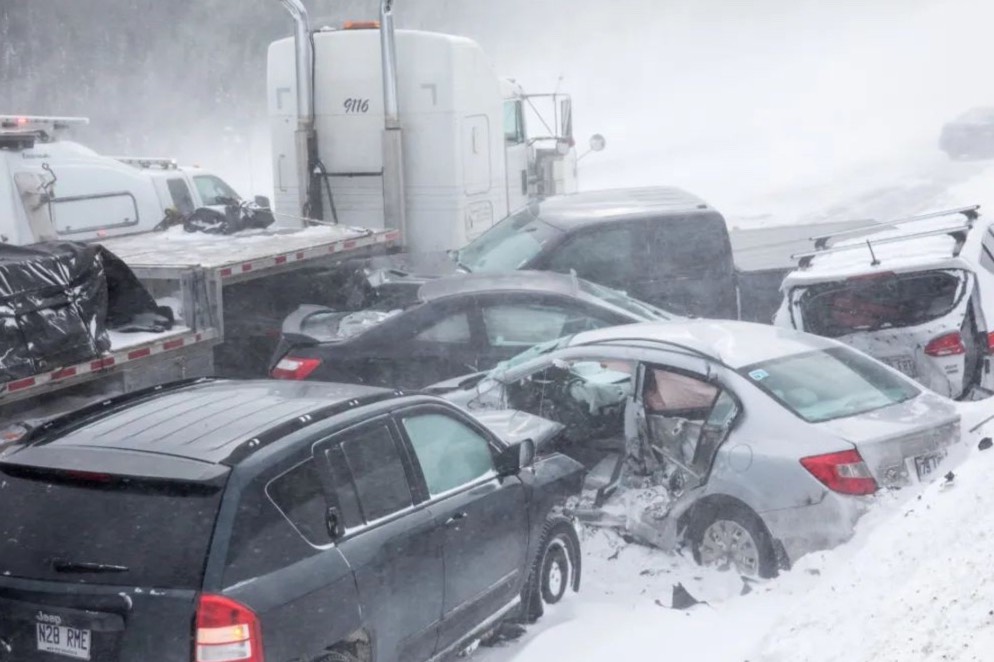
{"x":736,"y":344}
{"x":913,"y":254}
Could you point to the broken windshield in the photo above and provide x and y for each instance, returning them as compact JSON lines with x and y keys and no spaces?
{"x":884,"y":301}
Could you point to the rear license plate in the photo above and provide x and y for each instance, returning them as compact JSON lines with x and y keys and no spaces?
{"x":925,"y":465}
{"x":62,"y":640}
{"x":903,"y":364}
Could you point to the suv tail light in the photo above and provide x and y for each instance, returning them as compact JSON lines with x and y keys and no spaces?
{"x":845,"y":472}
{"x":226,"y":631}
{"x":990,"y":343}
{"x":950,"y":344}
{"x":293,"y":368}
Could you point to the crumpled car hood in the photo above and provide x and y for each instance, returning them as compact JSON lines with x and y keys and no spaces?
{"x":515,"y":426}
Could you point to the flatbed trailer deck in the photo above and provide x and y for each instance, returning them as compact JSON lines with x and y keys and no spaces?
{"x":192,"y":272}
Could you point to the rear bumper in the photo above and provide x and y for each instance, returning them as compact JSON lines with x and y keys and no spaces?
{"x":816,"y":527}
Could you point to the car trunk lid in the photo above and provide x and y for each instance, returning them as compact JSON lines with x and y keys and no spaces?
{"x":903,"y":443}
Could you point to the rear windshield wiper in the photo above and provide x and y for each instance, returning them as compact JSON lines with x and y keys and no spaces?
{"x":61,"y":565}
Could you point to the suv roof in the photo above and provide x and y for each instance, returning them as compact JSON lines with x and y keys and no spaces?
{"x":218,"y":422}
{"x":590,"y":208}
{"x":910,"y":254}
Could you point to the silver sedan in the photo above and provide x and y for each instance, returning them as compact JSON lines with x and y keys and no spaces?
{"x":755,"y":444}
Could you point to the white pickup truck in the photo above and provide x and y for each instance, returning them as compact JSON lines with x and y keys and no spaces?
{"x":52,"y":188}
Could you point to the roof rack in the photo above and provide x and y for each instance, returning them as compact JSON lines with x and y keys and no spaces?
{"x":148,"y":162}
{"x":821,"y":242}
{"x":958,"y":233}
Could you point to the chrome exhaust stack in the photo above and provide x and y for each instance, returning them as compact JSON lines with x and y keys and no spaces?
{"x":394,"y":196}
{"x":305,"y":136}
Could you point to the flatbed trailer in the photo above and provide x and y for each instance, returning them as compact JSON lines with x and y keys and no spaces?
{"x":197,"y":275}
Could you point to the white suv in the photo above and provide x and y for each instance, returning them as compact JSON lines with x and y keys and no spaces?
{"x":917,"y":294}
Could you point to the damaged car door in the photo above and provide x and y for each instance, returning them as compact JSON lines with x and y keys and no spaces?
{"x":682,"y":416}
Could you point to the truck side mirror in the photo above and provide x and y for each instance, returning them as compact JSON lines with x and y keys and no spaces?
{"x":262,"y":201}
{"x":597,"y":143}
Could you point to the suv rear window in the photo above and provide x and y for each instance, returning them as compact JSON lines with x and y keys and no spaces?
{"x":48,"y":518}
{"x":879,"y":302}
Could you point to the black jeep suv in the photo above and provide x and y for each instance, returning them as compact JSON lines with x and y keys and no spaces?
{"x":276,"y":521}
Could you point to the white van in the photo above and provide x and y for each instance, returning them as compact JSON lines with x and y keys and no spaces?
{"x":57,"y":189}
{"x":916,"y":294}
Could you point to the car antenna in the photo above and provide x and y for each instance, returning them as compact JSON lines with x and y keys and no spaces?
{"x":874,"y":261}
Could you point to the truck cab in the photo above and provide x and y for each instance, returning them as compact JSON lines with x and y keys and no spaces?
{"x":57,"y":189}
{"x":467,"y":157}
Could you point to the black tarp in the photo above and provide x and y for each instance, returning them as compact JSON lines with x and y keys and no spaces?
{"x":53,"y":303}
{"x":57,"y":301}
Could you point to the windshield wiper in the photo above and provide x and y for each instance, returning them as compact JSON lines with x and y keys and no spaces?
{"x":454,"y":256}
{"x":61,"y":565}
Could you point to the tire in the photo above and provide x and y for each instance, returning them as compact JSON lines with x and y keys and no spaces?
{"x":729,"y":535}
{"x":555,"y":569}
{"x":338,"y":656}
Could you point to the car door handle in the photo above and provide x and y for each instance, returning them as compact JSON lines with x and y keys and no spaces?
{"x":456,"y":519}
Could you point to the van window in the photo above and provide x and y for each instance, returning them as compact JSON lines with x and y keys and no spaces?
{"x":886,"y":301}
{"x":180,"y":193}
{"x":213,"y":190}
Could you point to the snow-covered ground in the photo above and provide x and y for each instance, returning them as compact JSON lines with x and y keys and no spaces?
{"x":915,"y":583}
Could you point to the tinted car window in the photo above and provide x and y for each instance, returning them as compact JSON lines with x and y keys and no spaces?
{"x":833,"y":383}
{"x":895,"y":300}
{"x":377,"y":472}
{"x":602,"y":255}
{"x":45,"y":517}
{"x":452,"y":329}
{"x":300,"y":498}
{"x":266,"y":537}
{"x":677,"y":243}
{"x":451,"y":453}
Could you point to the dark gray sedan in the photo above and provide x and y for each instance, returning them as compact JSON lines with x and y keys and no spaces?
{"x":455,"y":325}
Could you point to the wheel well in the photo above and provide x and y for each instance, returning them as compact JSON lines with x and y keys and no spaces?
{"x":716,"y":503}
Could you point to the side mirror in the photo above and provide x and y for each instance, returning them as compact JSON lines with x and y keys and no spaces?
{"x":333,"y":521}
{"x":597,"y":143}
{"x":262,"y":201}
{"x":514,"y":458}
